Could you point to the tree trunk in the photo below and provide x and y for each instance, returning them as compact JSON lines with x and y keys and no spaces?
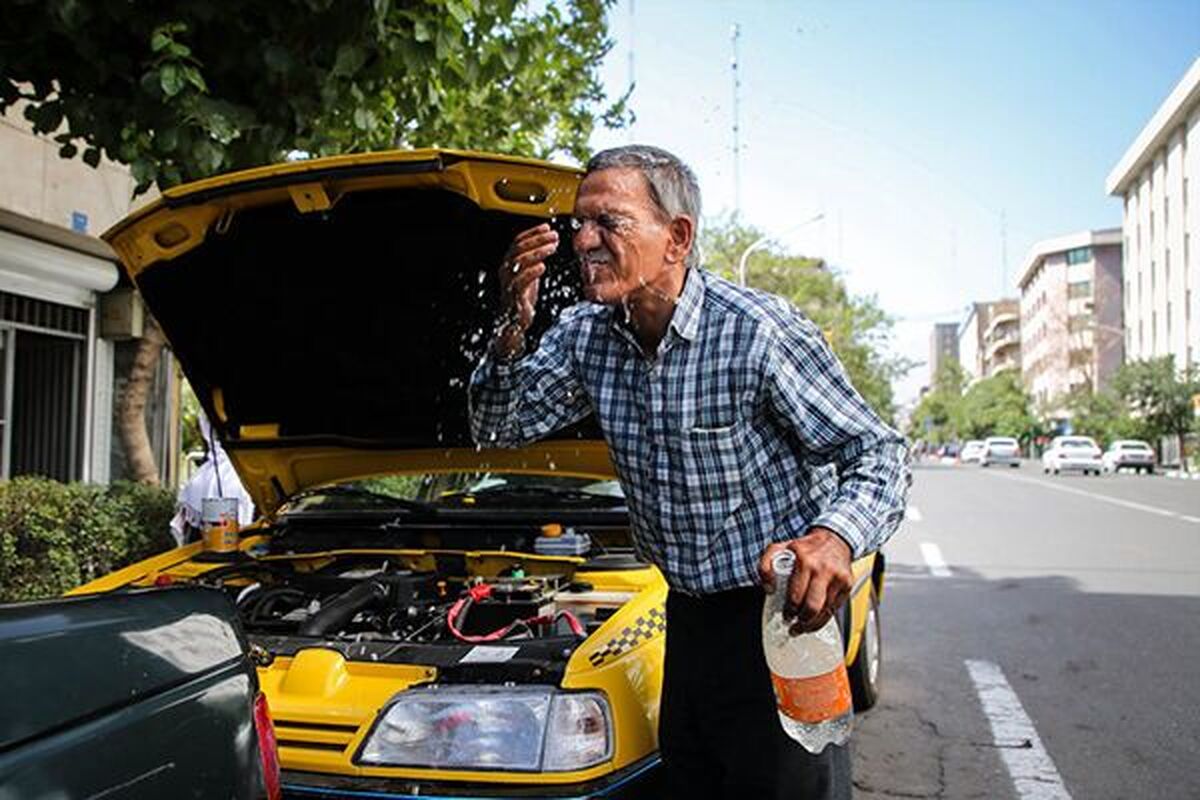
{"x":131,"y":406}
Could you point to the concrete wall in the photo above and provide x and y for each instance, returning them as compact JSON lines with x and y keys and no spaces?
{"x":40,"y":184}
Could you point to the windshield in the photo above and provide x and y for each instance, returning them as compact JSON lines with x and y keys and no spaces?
{"x":1088,"y":443}
{"x":1134,"y":446}
{"x":431,"y":491}
{"x":1003,"y":442}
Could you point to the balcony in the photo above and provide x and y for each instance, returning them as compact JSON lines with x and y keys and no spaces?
{"x":1001,"y":342}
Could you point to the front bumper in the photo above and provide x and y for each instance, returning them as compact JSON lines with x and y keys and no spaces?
{"x":1078,"y":465}
{"x":997,"y":458}
{"x":639,"y":781}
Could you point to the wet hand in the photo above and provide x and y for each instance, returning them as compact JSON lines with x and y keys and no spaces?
{"x":521,"y":272}
{"x":821,"y":580}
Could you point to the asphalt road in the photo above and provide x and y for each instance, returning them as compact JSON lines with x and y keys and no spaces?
{"x":1041,"y":640}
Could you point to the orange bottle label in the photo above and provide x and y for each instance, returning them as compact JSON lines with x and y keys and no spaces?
{"x":816,"y":699}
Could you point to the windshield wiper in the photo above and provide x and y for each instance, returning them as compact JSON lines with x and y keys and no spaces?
{"x":533,"y":491}
{"x":380,"y":498}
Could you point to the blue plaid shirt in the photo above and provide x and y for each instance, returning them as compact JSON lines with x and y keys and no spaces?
{"x":742,"y":430}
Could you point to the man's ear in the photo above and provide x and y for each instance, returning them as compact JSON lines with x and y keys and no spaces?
{"x":682,"y":236}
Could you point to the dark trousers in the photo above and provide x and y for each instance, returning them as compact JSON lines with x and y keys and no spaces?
{"x":719,"y":731}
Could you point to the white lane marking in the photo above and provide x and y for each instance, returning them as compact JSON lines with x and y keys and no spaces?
{"x":933,"y":557}
{"x":913,"y":513}
{"x":1104,"y":498}
{"x":1029,"y":765}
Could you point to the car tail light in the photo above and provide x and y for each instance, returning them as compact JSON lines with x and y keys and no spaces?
{"x":266,"y":747}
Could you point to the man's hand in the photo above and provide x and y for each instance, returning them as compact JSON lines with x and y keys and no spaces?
{"x":520,"y":274}
{"x":821,"y":581}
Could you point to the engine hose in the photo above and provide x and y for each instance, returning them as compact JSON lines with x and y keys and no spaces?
{"x":340,"y":610}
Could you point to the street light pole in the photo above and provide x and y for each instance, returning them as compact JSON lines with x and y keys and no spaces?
{"x":763,"y":241}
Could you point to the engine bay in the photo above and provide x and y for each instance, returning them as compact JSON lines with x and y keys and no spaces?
{"x":420,"y":607}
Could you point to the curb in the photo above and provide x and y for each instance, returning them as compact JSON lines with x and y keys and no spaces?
{"x":1186,"y":476}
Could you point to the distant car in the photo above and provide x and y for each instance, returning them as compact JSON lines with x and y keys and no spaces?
{"x":1129,"y":454}
{"x":1072,"y":454}
{"x":1000,"y":450}
{"x":972,"y":451}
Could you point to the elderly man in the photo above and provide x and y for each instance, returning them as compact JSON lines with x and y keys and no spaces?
{"x":722,"y":407}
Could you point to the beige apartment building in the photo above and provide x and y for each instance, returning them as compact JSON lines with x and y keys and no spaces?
{"x":1070,"y":316}
{"x":989,"y":341}
{"x":1157,"y":179}
{"x":62,"y":360}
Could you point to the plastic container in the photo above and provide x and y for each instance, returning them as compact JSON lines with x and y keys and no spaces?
{"x":219,"y":524}
{"x":568,"y":543}
{"x":808,"y":672}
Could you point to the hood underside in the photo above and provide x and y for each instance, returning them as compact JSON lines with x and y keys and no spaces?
{"x":338,"y":306}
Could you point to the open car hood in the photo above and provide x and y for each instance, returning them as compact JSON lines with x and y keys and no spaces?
{"x":328,"y":313}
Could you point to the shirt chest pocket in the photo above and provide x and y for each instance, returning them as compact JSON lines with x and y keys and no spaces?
{"x":711,"y":475}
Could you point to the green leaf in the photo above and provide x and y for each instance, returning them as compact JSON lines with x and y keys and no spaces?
{"x":421,"y":31}
{"x":170,"y":79}
{"x":350,"y":59}
{"x":458,"y":11}
{"x":159,"y":41}
{"x":363,"y":119}
{"x":143,"y":171}
{"x":194,"y":77}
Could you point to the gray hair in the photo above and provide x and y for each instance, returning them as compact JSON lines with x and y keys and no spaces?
{"x":672,"y":184}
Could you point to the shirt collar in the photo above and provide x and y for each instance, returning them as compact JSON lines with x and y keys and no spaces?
{"x":686,"y":319}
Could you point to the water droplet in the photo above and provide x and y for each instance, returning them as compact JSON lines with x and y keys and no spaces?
{"x":553,"y":466}
{"x":482,"y":275}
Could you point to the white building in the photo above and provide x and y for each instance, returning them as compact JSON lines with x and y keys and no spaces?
{"x":66,"y":327}
{"x":1162,"y":227}
{"x":1070,"y":316}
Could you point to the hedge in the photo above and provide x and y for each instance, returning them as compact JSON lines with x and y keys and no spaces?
{"x":56,"y":536}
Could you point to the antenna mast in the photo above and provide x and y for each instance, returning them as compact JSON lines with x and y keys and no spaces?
{"x":737,"y":148}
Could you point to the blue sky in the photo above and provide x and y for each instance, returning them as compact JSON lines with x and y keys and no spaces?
{"x":914,"y":127}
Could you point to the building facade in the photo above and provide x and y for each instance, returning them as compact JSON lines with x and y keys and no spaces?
{"x":1002,"y":337}
{"x":62,"y":363}
{"x":989,"y":341}
{"x":1070,"y":316}
{"x":970,"y":342}
{"x":943,"y":348}
{"x":1156,"y":180}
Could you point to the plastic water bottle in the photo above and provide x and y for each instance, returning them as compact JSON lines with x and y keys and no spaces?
{"x":808,"y":672}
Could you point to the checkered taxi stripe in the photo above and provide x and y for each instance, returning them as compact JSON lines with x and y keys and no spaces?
{"x":644,"y":628}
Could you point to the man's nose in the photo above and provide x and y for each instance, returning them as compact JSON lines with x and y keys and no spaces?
{"x":586,"y":237}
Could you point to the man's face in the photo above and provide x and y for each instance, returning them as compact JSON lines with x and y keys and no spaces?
{"x":621,"y":237}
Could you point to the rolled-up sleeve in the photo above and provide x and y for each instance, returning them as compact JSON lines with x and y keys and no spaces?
{"x":808,"y":391}
{"x":514,"y":404}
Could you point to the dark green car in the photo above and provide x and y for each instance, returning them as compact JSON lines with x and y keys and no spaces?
{"x":141,"y":694}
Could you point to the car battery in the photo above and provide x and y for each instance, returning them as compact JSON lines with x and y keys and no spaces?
{"x":511,"y":599}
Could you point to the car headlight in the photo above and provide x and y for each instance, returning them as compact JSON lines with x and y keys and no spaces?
{"x":512,"y":728}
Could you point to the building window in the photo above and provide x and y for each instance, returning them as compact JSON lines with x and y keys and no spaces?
{"x":1153,"y":332}
{"x":1166,"y":216}
{"x":1141,"y":337}
{"x":1151,"y":228}
{"x":1079,"y":289}
{"x":1077,"y":323}
{"x":1153,"y":277}
{"x":1079,"y":255}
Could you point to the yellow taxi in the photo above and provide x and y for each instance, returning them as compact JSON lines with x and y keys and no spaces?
{"x":428,"y":618}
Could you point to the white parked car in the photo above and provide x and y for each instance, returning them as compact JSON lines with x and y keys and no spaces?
{"x":1001,"y":450}
{"x":972,"y":451}
{"x":1129,"y":454}
{"x":1072,"y":454}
